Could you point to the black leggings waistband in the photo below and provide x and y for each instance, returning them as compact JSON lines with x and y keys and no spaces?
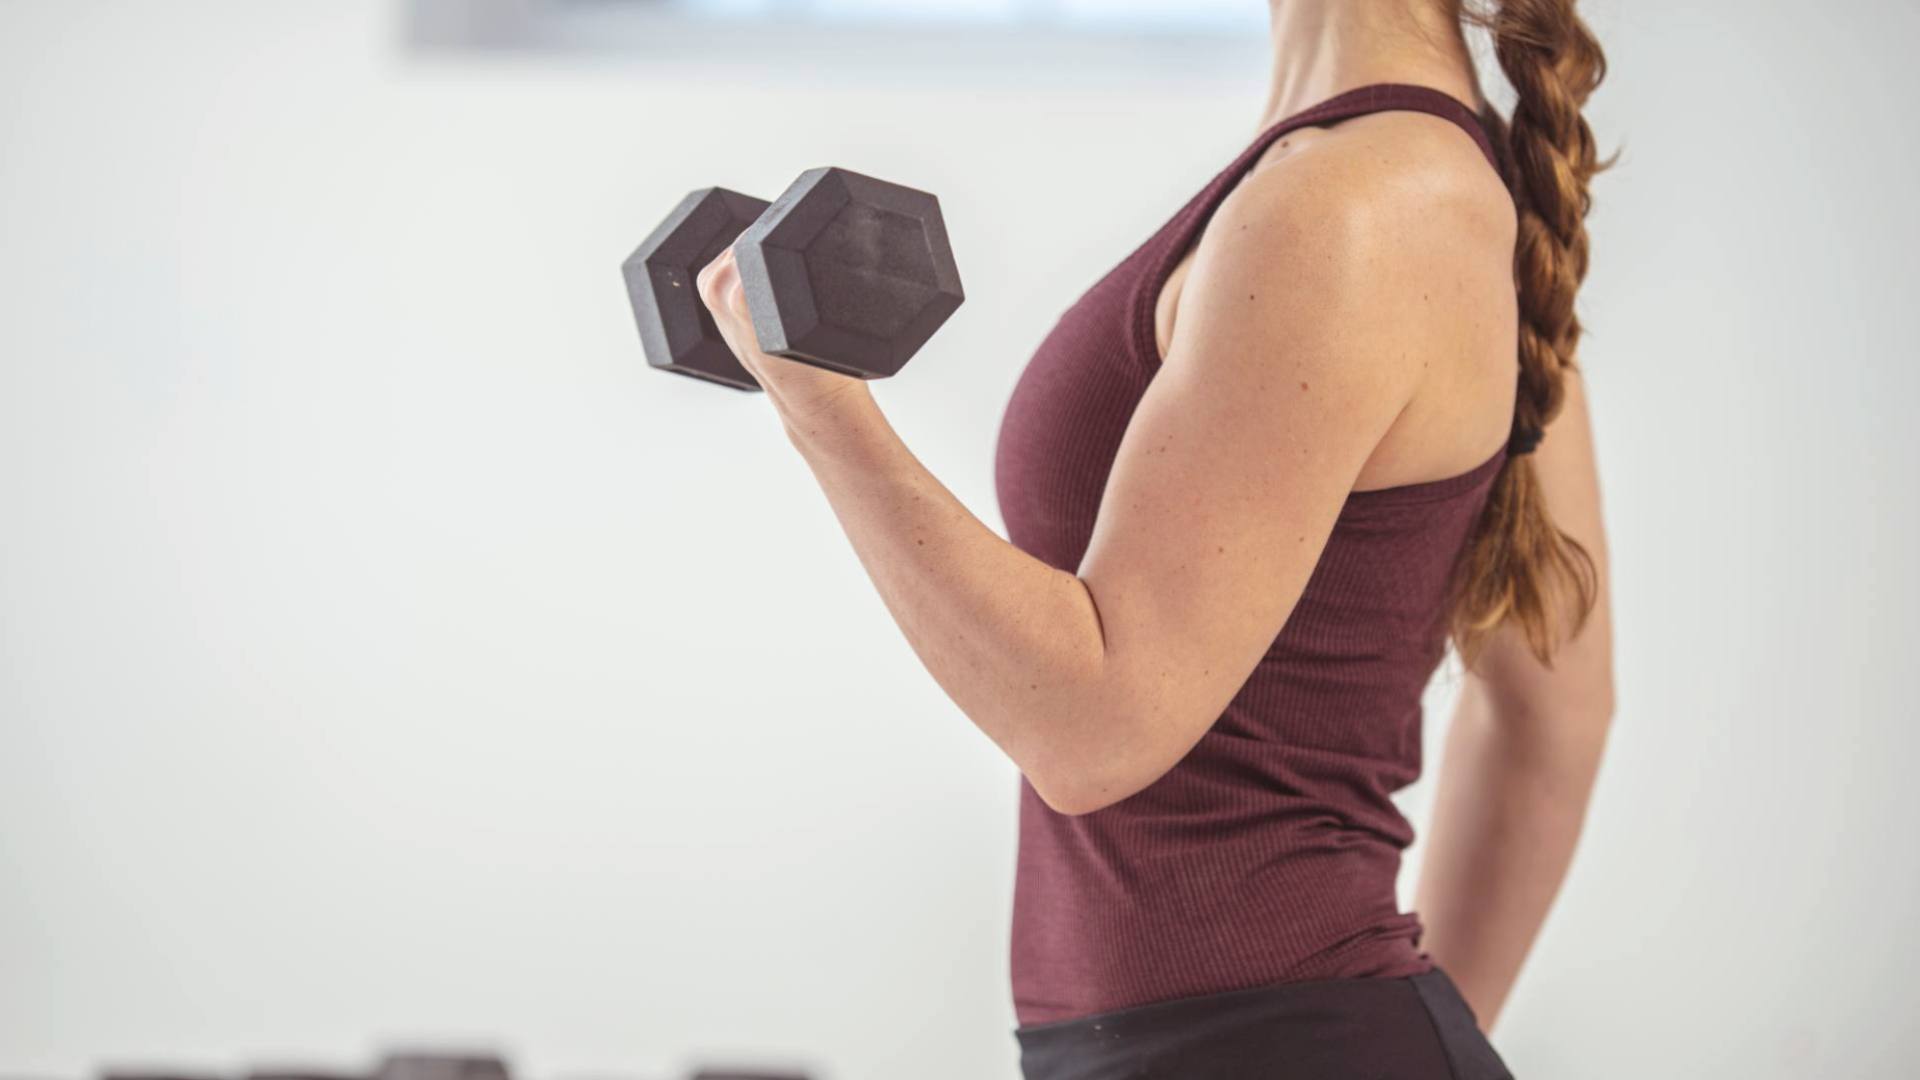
{"x":1416,"y":1027}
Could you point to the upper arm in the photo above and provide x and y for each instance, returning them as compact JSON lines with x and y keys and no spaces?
{"x":1508,"y":681}
{"x":1299,"y":340}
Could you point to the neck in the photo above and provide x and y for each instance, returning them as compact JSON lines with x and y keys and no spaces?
{"x":1326,"y":47}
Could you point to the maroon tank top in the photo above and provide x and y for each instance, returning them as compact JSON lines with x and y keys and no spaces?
{"x":1269,"y":853}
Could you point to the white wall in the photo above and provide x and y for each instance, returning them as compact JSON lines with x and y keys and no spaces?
{"x":386,"y":654}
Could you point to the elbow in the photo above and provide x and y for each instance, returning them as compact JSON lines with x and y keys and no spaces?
{"x":1071,"y":800}
{"x":1089,"y":783}
{"x":1073,"y":784}
{"x":1102,"y":748}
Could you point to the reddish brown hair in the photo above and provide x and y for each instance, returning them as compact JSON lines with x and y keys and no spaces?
{"x":1519,"y":568}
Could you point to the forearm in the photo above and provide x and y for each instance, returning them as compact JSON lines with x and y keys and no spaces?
{"x":1509,"y":807}
{"x":1014,"y":642}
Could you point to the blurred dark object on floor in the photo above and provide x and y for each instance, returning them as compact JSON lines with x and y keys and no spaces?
{"x":411,"y":1065}
{"x":415,"y":1065}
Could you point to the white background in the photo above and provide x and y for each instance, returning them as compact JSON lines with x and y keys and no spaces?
{"x":387,"y":655}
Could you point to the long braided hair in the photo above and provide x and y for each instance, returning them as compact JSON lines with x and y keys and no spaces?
{"x":1518,"y":567}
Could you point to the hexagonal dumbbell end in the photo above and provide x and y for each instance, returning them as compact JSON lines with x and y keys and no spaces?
{"x":417,"y":1066}
{"x":676,"y":329}
{"x":849,"y":273}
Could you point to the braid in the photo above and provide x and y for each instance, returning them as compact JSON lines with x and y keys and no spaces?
{"x":1518,"y":566}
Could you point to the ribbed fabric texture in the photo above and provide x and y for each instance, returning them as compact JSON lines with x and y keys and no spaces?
{"x":1269,"y":853}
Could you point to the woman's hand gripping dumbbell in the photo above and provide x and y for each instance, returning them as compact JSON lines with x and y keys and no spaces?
{"x":844,"y":273}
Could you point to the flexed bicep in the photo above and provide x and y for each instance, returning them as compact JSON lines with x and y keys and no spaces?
{"x":1279,"y":383}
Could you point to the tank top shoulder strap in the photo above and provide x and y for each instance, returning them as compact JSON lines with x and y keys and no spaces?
{"x":1399,"y":97}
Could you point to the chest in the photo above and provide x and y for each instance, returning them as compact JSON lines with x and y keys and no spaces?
{"x":1069,"y":412}
{"x":1063,"y":426}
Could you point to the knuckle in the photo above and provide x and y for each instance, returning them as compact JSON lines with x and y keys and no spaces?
{"x":717,"y":285}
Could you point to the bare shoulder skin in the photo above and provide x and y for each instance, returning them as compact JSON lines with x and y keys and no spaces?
{"x":1467,"y":388}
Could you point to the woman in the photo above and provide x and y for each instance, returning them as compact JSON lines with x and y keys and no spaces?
{"x":1255,"y":480}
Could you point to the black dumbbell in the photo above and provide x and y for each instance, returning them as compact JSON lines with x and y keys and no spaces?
{"x":842,"y":271}
{"x":418,"y":1066}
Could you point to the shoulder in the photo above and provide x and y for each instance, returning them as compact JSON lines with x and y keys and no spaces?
{"x":1392,"y":213}
{"x":1393,"y":185}
{"x":1356,"y":258}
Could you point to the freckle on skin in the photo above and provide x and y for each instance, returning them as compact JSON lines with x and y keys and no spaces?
{"x":1303,"y":386}
{"x":922,"y":543}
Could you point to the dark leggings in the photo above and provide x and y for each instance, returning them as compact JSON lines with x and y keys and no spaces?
{"x":1417,"y":1027}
